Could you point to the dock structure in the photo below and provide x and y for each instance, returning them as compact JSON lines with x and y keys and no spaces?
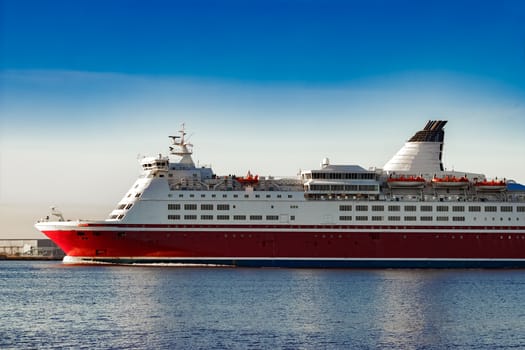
{"x":30,"y":249}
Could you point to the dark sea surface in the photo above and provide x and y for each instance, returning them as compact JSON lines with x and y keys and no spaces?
{"x":48,"y":305}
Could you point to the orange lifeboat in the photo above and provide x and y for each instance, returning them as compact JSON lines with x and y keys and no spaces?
{"x":249,"y":179}
{"x":450,"y":182}
{"x":406,"y":182}
{"x":492,"y":185}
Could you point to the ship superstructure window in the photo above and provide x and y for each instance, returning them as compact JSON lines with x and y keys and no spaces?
{"x":425,"y":218}
{"x":506,"y":209}
{"x":239,"y":217}
{"x":377,"y":218}
{"x":458,"y":208}
{"x":520,"y":209}
{"x":394,"y":208}
{"x":342,"y":176}
{"x":137,"y":195}
{"x":378,"y":208}
{"x":394,"y":218}
{"x":458,"y":218}
{"x":426,"y":208}
{"x":206,"y":206}
{"x":122,"y":206}
{"x":223,"y":217}
{"x":490,"y":208}
{"x":442,"y":208}
{"x":129,"y":206}
{"x":255,"y":217}
{"x":223,"y":207}
{"x":361,"y":218}
{"x":190,"y":206}
{"x":272,"y":217}
{"x":206,"y":217}
{"x":246,"y":196}
{"x":442,"y":218}
{"x":290,"y":196}
{"x":410,"y":208}
{"x":410,"y":218}
{"x":474,"y":208}
{"x":173,"y":206}
{"x":345,"y":208}
{"x":345,"y":218}
{"x":173,"y":217}
{"x":190,"y":217}
{"x":361,"y":207}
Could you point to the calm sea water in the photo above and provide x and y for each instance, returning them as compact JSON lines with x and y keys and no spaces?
{"x":49,"y":305}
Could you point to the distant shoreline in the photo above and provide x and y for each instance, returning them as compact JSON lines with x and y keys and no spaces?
{"x":18,"y":257}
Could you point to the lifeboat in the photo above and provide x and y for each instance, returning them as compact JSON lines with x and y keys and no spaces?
{"x":492,"y":185}
{"x":406,"y":182}
{"x":249,"y":179}
{"x":450,"y":182}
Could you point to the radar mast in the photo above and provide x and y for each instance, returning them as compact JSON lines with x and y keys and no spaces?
{"x":182,"y":148}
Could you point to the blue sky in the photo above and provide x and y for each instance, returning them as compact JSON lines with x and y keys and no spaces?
{"x":267,"y":86}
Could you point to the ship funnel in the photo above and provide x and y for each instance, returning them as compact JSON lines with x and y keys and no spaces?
{"x":423,"y":152}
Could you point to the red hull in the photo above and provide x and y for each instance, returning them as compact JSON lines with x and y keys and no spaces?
{"x":333,"y":242}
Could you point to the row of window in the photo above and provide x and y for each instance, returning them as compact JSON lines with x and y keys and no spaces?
{"x":430,"y":208}
{"x":407,"y":218}
{"x":257,"y":195}
{"x":343,"y":176}
{"x":227,"y":217}
{"x":335,"y":188}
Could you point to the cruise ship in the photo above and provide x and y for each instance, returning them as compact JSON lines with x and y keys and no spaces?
{"x":411,"y":213}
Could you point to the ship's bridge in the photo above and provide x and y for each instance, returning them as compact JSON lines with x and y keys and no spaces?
{"x":153,"y":166}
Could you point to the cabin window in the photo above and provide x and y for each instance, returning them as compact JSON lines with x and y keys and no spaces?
{"x":122,"y":206}
{"x":377,"y":218}
{"x":506,"y":209}
{"x":223,"y":207}
{"x":345,"y":208}
{"x":426,"y":208}
{"x":173,"y":217}
{"x":410,"y":208}
{"x":272,"y":217}
{"x":490,"y":208}
{"x":239,"y":217}
{"x":425,"y":218}
{"x":190,"y":206}
{"x":458,"y":208}
{"x":206,"y":206}
{"x":345,"y":218}
{"x":223,"y":217}
{"x":173,"y":206}
{"x":206,"y":217}
{"x":255,"y":217}
{"x":442,"y":218}
{"x":129,"y":206}
{"x":458,"y":218}
{"x":394,"y":208}
{"x":361,"y":207}
{"x":474,"y":208}
{"x":190,"y":217}
{"x":442,"y":208}
{"x":394,"y":218}
{"x":378,"y":207}
{"x":361,"y":218}
{"x":410,"y":218}
{"x":520,"y":209}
